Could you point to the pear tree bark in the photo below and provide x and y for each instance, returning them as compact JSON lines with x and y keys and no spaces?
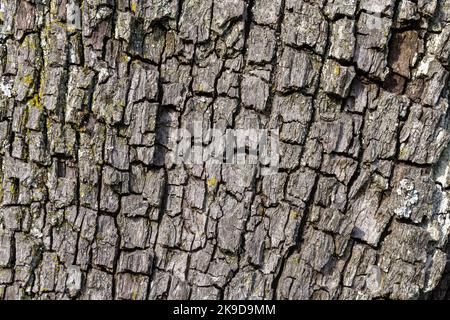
{"x":93,"y":207}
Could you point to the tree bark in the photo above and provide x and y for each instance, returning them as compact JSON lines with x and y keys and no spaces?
{"x":94,"y":207}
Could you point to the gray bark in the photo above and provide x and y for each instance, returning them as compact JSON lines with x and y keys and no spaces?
{"x":93,"y":208}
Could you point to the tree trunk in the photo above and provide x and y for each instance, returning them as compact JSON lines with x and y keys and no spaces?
{"x":95,"y":203}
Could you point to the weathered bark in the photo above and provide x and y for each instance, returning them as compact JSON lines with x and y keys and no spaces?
{"x":93,"y":208}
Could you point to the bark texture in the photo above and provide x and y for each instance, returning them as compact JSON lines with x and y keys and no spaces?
{"x":92,"y":207}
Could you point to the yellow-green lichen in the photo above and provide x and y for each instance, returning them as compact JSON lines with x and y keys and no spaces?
{"x":28,"y":80}
{"x":48,"y":124}
{"x":36,"y":102}
{"x":337,"y":70}
{"x":125,"y":58}
{"x":403,"y":152}
{"x":212,"y":182}
{"x":12,"y":189}
{"x":134,"y":7}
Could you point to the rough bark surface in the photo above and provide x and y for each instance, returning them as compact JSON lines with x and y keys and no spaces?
{"x":92,"y":207}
